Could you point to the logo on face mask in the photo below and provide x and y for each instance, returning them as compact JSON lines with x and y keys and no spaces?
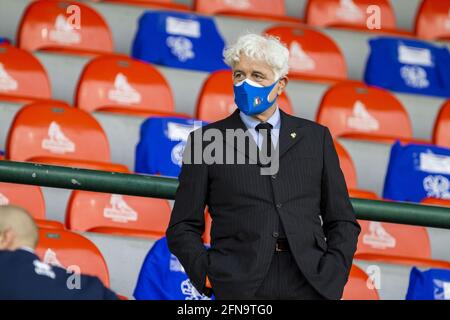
{"x":252,"y":98}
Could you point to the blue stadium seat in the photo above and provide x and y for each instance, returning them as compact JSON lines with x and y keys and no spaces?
{"x":162,"y":277}
{"x":433,"y":284}
{"x":409,"y":66}
{"x":416,"y":172}
{"x":179,"y":40}
{"x":161,"y":145}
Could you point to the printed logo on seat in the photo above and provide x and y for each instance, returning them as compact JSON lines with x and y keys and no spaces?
{"x":57,"y":141}
{"x":3,"y":200}
{"x":378,"y":237}
{"x":181,"y":47}
{"x":123,"y":92}
{"x":361,"y":119}
{"x":447,"y":22}
{"x":349,"y":11}
{"x":119,"y":210}
{"x":441,"y":289}
{"x":175,"y":265}
{"x":415,"y":77}
{"x":299,"y":60}
{"x":7,"y":83}
{"x":190,"y":292}
{"x":238,"y":4}
{"x":64,"y":32}
{"x":437,"y":187}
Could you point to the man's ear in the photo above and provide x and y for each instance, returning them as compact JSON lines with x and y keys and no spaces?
{"x":7,"y":238}
{"x":283,"y":82}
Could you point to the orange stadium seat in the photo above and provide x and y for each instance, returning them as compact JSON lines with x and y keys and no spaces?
{"x":71,"y":250}
{"x":55,"y":133}
{"x":350,"y":14}
{"x":433,"y":20}
{"x":313,"y":55}
{"x":216,"y":99}
{"x":392,"y":243}
{"x":123,"y":85}
{"x":256,"y":9}
{"x":355,"y":110}
{"x":441,"y":135}
{"x":22,"y":77}
{"x":117,"y":214}
{"x":436,"y":202}
{"x":64,"y":26}
{"x":349,"y":171}
{"x":359,"y":286}
{"x":25,"y":196}
{"x":162,"y":4}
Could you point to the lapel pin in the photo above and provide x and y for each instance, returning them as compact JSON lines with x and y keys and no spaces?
{"x":293,"y":135}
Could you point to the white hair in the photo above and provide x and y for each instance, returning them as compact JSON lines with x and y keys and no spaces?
{"x":264,"y":48}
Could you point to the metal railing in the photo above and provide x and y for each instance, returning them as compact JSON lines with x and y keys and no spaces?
{"x":160,"y":187}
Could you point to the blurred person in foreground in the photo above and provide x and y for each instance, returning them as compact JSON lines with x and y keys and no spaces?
{"x":24,"y":276}
{"x":281,"y":229}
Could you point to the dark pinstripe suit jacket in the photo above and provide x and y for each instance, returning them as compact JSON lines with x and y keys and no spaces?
{"x":246,"y":208}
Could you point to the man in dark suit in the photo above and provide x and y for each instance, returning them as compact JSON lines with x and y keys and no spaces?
{"x":24,"y":276}
{"x":290,"y":234}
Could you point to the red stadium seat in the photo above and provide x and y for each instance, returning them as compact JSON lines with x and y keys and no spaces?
{"x":162,"y":4}
{"x":359,"y":286}
{"x":441,"y":135}
{"x":119,"y":215}
{"x":436,"y":202}
{"x":55,"y":133}
{"x":207,"y":233}
{"x":216,"y":99}
{"x":123,"y":85}
{"x":22,"y":77}
{"x":313,"y":55}
{"x":349,"y":14}
{"x":255,"y":9}
{"x":49,"y":224}
{"x":349,"y":171}
{"x":67,"y":249}
{"x":356,"y":110}
{"x":433,"y":20}
{"x":393,"y":243}
{"x":25,"y":196}
{"x":64,"y":26}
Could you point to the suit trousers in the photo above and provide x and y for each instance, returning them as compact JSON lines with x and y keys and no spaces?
{"x":285,"y":281}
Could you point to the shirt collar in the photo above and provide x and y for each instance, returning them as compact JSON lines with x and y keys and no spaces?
{"x":251,"y":122}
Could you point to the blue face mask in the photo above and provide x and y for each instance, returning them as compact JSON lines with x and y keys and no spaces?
{"x":252,"y":98}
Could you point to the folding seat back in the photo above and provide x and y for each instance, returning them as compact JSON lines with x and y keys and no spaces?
{"x":441,"y":135}
{"x":110,"y":82}
{"x":408,"y":66}
{"x":164,"y":4}
{"x":71,"y":251}
{"x":25,"y":196}
{"x":66,"y":26}
{"x":162,"y":277}
{"x":161,"y":145}
{"x":216,"y":99}
{"x":433,"y":20}
{"x":352,"y":109}
{"x":179,"y":40}
{"x":262,"y":7}
{"x":416,"y":172}
{"x":432,"y":284}
{"x":360,"y":286}
{"x":347,"y":166}
{"x":313,"y":55}
{"x":348,"y":13}
{"x":54,"y":129}
{"x":117,"y":214}
{"x":22,"y":77}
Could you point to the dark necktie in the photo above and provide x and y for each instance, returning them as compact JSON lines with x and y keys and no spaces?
{"x":265,"y":129}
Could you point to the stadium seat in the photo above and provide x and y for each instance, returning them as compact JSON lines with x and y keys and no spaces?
{"x":71,"y":250}
{"x":117,"y":214}
{"x":359,"y":286}
{"x":123,"y":85}
{"x":393,"y":243}
{"x":64,"y":26}
{"x":436,"y":202}
{"x":313,"y":55}
{"x":157,"y":4}
{"x":254,"y":9}
{"x":216,"y":98}
{"x":25,"y":196}
{"x":349,"y":14}
{"x":433,"y":20}
{"x":349,"y":171}
{"x":49,"y":224}
{"x":55,"y":133}
{"x":22,"y":77}
{"x":441,"y":134}
{"x":355,"y":110}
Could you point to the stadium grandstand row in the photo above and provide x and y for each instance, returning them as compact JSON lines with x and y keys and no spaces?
{"x":117,"y":85}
